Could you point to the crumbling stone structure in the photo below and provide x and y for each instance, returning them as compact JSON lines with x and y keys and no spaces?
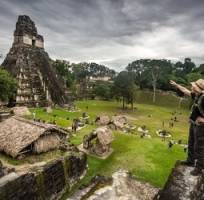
{"x":98,"y":142}
{"x":120,"y":186}
{"x":46,"y":181}
{"x":27,"y":61}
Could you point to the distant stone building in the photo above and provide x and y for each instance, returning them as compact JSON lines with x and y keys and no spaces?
{"x":100,"y":78}
{"x":26,"y":33}
{"x":27,"y":61}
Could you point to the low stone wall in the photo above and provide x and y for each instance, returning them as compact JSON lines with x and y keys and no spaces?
{"x":44,"y":182}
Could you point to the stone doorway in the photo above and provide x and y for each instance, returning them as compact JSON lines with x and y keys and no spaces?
{"x":33,"y":43}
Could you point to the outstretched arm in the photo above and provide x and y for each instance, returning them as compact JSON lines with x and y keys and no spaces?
{"x":181,"y":88}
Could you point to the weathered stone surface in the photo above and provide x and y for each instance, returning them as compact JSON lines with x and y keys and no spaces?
{"x":104,"y":135}
{"x":21,"y":111}
{"x":4,"y":170}
{"x":54,"y":178}
{"x":119,"y":121}
{"x":45,"y":181}
{"x":183,"y":186}
{"x":76,"y":165}
{"x":24,"y":26}
{"x":103,"y":120}
{"x":122,"y":187}
{"x":27,"y":61}
{"x":19,"y":188}
{"x":98,"y":142}
{"x":8,"y":178}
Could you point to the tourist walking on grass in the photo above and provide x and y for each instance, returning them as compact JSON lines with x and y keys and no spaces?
{"x":196,"y":132}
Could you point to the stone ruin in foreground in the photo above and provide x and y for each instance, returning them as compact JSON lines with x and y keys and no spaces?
{"x":27,"y":61}
{"x":179,"y":186}
{"x":43,"y":177}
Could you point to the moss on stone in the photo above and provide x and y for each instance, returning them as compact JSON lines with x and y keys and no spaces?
{"x":66,"y":167}
{"x":40,"y":184}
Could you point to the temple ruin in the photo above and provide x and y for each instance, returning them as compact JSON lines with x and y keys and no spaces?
{"x":38,"y":84}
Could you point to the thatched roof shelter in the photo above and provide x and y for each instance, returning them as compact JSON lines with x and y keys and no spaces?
{"x":19,"y":136}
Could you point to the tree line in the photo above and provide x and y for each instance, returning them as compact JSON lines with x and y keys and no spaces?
{"x":140,"y":74}
{"x":77,"y":78}
{"x":155,"y":74}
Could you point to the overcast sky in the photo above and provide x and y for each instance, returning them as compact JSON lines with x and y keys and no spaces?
{"x":111,"y":32}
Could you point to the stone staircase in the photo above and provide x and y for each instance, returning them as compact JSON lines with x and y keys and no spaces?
{"x":31,"y":89}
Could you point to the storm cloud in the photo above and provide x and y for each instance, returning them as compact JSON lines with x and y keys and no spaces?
{"x":111,"y":32}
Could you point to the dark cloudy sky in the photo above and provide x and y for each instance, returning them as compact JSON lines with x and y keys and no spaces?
{"x":111,"y":32}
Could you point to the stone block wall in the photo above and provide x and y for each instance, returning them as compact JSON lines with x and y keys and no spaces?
{"x":53,"y":178}
{"x":22,"y":187}
{"x":76,"y":165}
{"x":45,"y":182}
{"x":39,"y":43}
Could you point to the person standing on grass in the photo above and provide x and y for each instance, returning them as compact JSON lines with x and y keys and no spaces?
{"x":74,"y":125}
{"x":170,"y":144}
{"x":196,"y":132}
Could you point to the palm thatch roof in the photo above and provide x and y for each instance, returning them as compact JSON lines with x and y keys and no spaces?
{"x":17,"y":133}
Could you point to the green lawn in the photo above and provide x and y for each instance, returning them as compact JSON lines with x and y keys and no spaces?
{"x":148,"y":159}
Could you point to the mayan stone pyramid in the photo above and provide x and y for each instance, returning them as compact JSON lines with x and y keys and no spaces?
{"x":27,"y":61}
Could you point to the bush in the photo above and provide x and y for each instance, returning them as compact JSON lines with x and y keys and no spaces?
{"x":8,"y":85}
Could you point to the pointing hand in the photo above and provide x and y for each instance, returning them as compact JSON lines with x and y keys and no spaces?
{"x":173,"y":83}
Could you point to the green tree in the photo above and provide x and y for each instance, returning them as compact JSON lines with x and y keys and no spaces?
{"x":194,"y":76}
{"x":151,"y":73}
{"x":188,"y":66}
{"x":97,"y":70}
{"x":63,"y":70}
{"x":81,"y":74}
{"x":124,"y":86}
{"x":138,"y":67}
{"x":182,"y":69}
{"x":84,"y":71}
{"x":200,"y":69}
{"x":8,"y":86}
{"x":103,"y":90}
